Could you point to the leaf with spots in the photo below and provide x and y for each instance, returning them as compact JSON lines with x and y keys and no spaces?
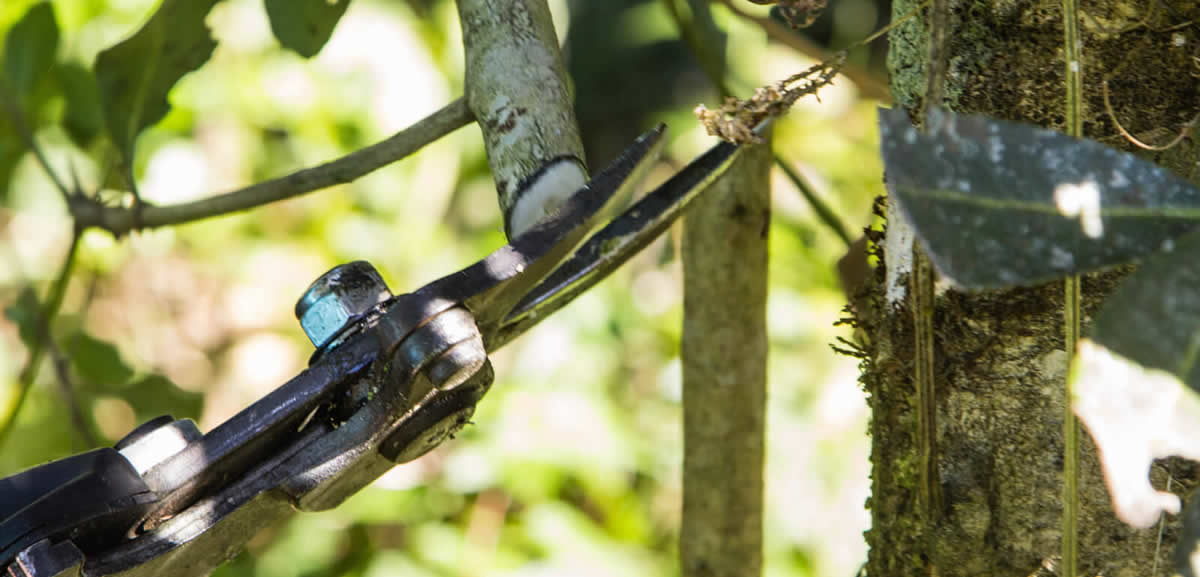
{"x":29,"y":49}
{"x":135,"y":76}
{"x":1136,"y":379}
{"x":999,"y":204}
{"x":304,"y":26}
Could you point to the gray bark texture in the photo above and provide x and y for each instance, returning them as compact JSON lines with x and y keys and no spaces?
{"x":516,"y":85}
{"x":1000,"y":363}
{"x":724,"y":371}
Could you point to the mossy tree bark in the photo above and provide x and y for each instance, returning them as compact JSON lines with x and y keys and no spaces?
{"x":1000,"y":361}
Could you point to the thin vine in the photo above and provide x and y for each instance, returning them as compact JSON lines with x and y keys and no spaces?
{"x":923,"y":299}
{"x":1071,"y":309}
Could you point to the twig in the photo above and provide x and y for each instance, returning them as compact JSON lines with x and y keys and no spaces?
{"x":120,"y":220}
{"x":63,"y":369}
{"x":723,"y":352}
{"x":890,"y":25}
{"x":1183,"y":132}
{"x":712,"y":64}
{"x":53,"y":302}
{"x":19,"y":125}
{"x":870,"y":85}
{"x":824,"y":213}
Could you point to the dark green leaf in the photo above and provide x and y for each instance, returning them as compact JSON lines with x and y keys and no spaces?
{"x":135,"y":76}
{"x":30,"y":48}
{"x":98,"y":362}
{"x":1153,"y":318}
{"x":304,"y":26}
{"x":999,"y":204}
{"x":157,"y":395}
{"x":1135,"y":380}
{"x":83,"y":119}
{"x":11,"y":151}
{"x":24,"y":313}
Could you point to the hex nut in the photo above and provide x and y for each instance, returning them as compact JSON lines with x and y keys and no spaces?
{"x":337,"y":297}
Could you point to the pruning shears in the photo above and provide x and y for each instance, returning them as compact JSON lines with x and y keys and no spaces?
{"x":391,"y":378}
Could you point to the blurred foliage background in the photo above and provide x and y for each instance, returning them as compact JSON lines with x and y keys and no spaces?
{"x":573,"y":465}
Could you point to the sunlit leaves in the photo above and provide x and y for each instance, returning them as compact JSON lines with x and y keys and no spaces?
{"x":135,"y":76}
{"x":1000,"y":204}
{"x":304,"y":26}
{"x":29,"y":50}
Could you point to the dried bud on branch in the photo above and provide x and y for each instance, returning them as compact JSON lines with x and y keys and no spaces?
{"x":736,"y":119}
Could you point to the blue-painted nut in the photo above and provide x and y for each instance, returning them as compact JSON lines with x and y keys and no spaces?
{"x":338,"y":297}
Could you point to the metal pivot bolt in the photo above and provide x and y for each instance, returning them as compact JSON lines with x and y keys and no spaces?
{"x":340,"y":296}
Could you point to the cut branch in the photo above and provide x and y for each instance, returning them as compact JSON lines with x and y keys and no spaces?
{"x":517,"y":88}
{"x":119,"y":220}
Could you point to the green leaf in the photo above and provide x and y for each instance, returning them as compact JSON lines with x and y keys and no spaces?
{"x":11,"y":151}
{"x":157,"y":395}
{"x":1153,"y":318}
{"x":135,"y":76}
{"x":98,"y":362}
{"x":82,"y":118}
{"x":24,"y":313}
{"x":304,"y":26}
{"x":30,"y":48}
{"x":1136,"y":379}
{"x":998,"y":204}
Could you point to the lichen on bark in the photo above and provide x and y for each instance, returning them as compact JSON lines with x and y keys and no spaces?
{"x":516,"y":85}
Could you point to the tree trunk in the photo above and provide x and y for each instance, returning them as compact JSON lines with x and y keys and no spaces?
{"x":724,"y":353}
{"x":1000,"y":364}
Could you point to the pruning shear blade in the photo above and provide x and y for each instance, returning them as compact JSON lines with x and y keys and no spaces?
{"x":491,"y":287}
{"x":615,"y":244}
